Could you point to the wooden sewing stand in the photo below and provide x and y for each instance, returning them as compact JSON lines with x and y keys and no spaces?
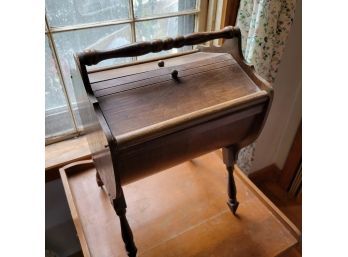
{"x":149,"y":116}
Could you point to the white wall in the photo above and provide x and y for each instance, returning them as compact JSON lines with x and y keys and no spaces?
{"x":276,"y":138}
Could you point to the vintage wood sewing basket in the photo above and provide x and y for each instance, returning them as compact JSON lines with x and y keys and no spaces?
{"x":148,"y":116}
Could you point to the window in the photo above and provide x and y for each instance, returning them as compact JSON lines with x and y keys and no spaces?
{"x":75,"y":25}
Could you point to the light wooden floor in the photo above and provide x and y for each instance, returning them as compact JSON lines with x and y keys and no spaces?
{"x":185,"y":213}
{"x":291,"y":207}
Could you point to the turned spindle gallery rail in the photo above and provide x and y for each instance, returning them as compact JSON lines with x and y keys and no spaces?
{"x":148,"y":116}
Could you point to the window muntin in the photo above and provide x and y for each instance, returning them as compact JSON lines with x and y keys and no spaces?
{"x":68,"y":35}
{"x":55,"y":100}
{"x":153,"y":7}
{"x":70,"y":42}
{"x":166,"y":27}
{"x":74,"y":12}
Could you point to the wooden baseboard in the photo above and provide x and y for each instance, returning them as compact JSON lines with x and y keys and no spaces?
{"x":293,"y":161}
{"x":269,"y":173}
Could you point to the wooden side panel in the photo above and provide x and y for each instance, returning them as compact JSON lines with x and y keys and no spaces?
{"x":293,"y":161}
{"x":97,"y":141}
{"x":102,"y":158}
{"x":152,"y":156}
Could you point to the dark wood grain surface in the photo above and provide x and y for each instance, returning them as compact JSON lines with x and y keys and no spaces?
{"x":215,"y":100}
{"x":163,"y":74}
{"x":105,"y":73}
{"x":155,"y":99}
{"x":92,"y":56}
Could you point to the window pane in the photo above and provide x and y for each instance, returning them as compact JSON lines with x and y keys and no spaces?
{"x":57,"y":117}
{"x":72,"y":12}
{"x":162,"y":28}
{"x":154,"y":7}
{"x":102,"y":38}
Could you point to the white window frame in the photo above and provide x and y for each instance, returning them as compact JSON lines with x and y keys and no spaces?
{"x":200,"y":13}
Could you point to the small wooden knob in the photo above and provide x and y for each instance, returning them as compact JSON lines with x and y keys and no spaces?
{"x":161,"y":63}
{"x":175,"y":74}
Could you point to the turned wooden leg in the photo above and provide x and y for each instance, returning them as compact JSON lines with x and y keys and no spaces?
{"x":232,"y":191}
{"x":99,"y":181}
{"x":127,"y":235}
{"x":228,"y":157}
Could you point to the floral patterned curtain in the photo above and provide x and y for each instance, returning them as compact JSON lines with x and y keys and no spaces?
{"x":265,"y":25}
